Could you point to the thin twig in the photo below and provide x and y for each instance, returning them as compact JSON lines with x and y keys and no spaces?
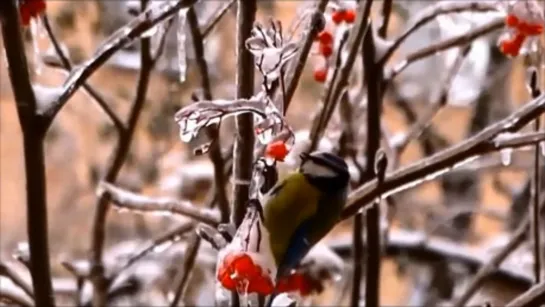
{"x":338,"y":84}
{"x":516,"y":240}
{"x":418,"y":128}
{"x":68,"y":66}
{"x":211,"y":24}
{"x":169,"y":236}
{"x":187,"y":267}
{"x":418,"y":246}
{"x":125,"y":199}
{"x":423,"y":170}
{"x":14,"y":296}
{"x":295,"y":70}
{"x":432,"y":12}
{"x":535,"y":296}
{"x":536,"y":187}
{"x":6,"y":270}
{"x":100,"y":284}
{"x":220,"y":179}
{"x":33,"y":147}
{"x":119,"y":39}
{"x":432,"y":49}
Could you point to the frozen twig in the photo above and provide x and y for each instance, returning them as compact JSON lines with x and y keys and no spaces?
{"x":516,"y":240}
{"x":295,"y":70}
{"x":432,"y":12}
{"x":418,"y":246}
{"x":417,"y":128}
{"x":125,"y":199}
{"x":98,"y":233}
{"x":244,"y":139}
{"x":536,"y":187}
{"x":533,"y":297}
{"x":6,"y":270}
{"x":211,"y":24}
{"x":33,"y":147}
{"x":65,"y":62}
{"x":429,"y":168}
{"x":13,"y":295}
{"x":130,"y":32}
{"x":340,"y":80}
{"x":432,"y":49}
{"x":213,"y":130}
{"x":187,"y":267}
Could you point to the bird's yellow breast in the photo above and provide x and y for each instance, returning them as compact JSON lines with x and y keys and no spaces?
{"x":295,"y":201}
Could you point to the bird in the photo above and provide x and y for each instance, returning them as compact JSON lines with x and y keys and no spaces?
{"x":303,"y":207}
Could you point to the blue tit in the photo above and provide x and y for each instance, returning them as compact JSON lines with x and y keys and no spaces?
{"x":302,"y":208}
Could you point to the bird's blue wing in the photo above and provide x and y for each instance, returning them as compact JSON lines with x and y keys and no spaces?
{"x":297,"y":249}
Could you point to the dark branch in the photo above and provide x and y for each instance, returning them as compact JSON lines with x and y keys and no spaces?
{"x":33,"y":147}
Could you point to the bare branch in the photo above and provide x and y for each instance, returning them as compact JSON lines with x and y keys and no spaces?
{"x":295,"y":69}
{"x":127,"y":34}
{"x":432,"y":167}
{"x":187,"y":267}
{"x":462,"y":39}
{"x":339,"y":83}
{"x":533,"y":297}
{"x":33,"y":147}
{"x":14,"y":295}
{"x":417,"y":128}
{"x":135,"y":202}
{"x":7,"y":271}
{"x":211,"y":24}
{"x":212,"y":131}
{"x":133,"y":30}
{"x":432,"y":12}
{"x":244,"y":139}
{"x":68,"y":66}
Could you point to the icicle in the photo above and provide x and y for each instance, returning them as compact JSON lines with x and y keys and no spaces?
{"x":38,"y":32}
{"x":506,"y":156}
{"x":160,"y":30}
{"x":180,"y":35}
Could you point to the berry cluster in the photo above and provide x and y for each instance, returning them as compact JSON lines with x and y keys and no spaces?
{"x":29,"y":9}
{"x":325,"y":39}
{"x":521,"y":25}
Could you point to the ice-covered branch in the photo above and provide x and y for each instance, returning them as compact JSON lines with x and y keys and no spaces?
{"x":434,"y":166}
{"x":154,"y":15}
{"x":432,"y":12}
{"x":125,"y":199}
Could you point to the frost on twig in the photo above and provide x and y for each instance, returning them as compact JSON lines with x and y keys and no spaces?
{"x":127,"y":200}
{"x":199,"y":115}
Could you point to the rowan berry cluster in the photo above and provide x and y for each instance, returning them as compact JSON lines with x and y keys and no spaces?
{"x":326,"y":39}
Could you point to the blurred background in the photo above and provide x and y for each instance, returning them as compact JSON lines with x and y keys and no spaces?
{"x":82,"y":138}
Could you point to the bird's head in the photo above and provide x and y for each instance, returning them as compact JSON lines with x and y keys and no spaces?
{"x":325,"y":169}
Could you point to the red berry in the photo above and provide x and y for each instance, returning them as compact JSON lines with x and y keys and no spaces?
{"x":326,"y":50}
{"x":277,"y":150}
{"x":511,"y":20}
{"x":338,"y":16}
{"x":320,"y":75}
{"x":325,"y":37}
{"x":511,"y":47}
{"x":349,"y":16}
{"x":529,"y":29}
